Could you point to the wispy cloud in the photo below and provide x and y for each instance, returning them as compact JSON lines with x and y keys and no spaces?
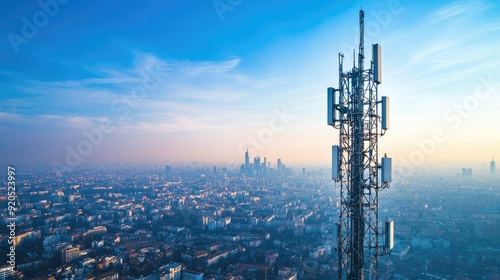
{"x":173,"y":123}
{"x":85,"y":82}
{"x":456,"y":9}
{"x":449,"y":45}
{"x":11,"y":117}
{"x":182,"y":81}
{"x":62,"y":121}
{"x":219,"y":93}
{"x":193,"y":97}
{"x":192,"y":69}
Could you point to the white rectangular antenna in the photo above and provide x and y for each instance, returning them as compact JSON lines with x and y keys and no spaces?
{"x":335,"y":163}
{"x":377,"y":63}
{"x":386,"y":106}
{"x":389,"y":235}
{"x":386,"y":170}
{"x":330,"y":102}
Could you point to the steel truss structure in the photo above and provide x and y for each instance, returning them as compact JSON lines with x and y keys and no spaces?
{"x":353,"y":109}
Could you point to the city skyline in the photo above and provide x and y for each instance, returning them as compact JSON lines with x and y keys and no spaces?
{"x":167,"y":82}
{"x":135,"y":221}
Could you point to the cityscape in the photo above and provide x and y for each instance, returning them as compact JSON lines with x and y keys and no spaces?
{"x":151,"y":221}
{"x":250,"y":140}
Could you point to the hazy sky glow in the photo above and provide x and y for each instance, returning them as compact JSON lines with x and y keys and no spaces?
{"x":190,"y":81}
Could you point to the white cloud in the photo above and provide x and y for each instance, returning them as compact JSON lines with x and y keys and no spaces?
{"x":9,"y":117}
{"x":189,"y":68}
{"x":167,"y":123}
{"x":85,"y":82}
{"x":456,"y":9}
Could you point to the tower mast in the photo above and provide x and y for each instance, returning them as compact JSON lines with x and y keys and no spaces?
{"x":353,"y":109}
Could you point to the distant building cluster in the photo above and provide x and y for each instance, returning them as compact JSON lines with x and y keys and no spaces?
{"x":466,"y":173}
{"x":261,"y":168}
{"x":189,"y":222}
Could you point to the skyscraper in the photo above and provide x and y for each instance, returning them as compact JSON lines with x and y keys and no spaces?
{"x":247,"y":160}
{"x":466,"y":173}
{"x":256,"y":165}
{"x":248,"y":169}
{"x":264,"y":165}
{"x":492,"y":167}
{"x":70,"y":253}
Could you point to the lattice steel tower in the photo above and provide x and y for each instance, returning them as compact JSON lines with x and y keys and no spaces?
{"x":353,"y":108}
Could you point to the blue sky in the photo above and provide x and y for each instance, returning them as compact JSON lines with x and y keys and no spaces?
{"x":203,"y":80}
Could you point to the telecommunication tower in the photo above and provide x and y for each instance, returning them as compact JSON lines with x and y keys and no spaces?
{"x":361,"y":117}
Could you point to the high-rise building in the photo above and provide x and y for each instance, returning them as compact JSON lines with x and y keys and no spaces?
{"x":264,"y":165}
{"x":6,"y":271}
{"x":70,"y":253}
{"x":192,"y":275}
{"x":492,"y":166}
{"x":247,"y":160}
{"x":172,"y":271}
{"x":466,"y":173}
{"x":256,"y":164}
{"x":248,"y":169}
